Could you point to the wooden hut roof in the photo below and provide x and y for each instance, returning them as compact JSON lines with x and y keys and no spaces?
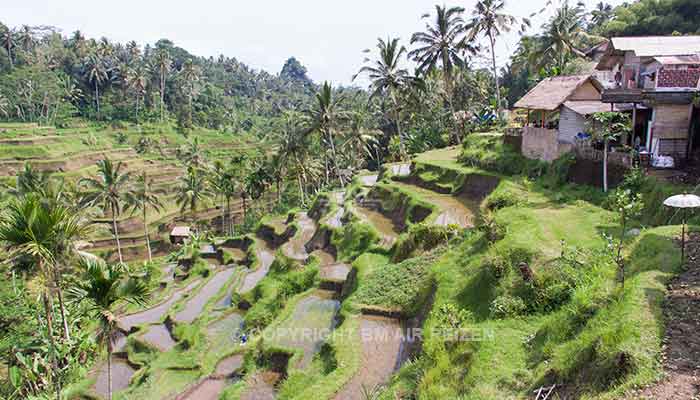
{"x":551,"y":93}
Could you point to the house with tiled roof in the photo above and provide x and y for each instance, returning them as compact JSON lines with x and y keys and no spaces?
{"x":659,"y":76}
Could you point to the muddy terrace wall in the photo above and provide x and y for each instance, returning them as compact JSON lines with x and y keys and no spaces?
{"x":472,"y":186}
{"x":401,"y":208}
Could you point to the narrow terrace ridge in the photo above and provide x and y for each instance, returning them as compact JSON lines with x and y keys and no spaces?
{"x":195,"y":306}
{"x":452,"y":210}
{"x":265,"y":258}
{"x":154,"y":314}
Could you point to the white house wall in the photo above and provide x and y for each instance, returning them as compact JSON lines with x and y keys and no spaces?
{"x":570,"y":124}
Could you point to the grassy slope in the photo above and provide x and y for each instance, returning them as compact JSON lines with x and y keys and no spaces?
{"x":518,"y":354}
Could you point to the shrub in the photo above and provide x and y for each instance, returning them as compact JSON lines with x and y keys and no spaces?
{"x":497,"y":266}
{"x":507,"y":306}
{"x":494,"y":230}
{"x":402,"y":287}
{"x":502,"y":199}
{"x":144,"y":145}
{"x":450,"y":316}
{"x":500,"y":263}
{"x":423,"y":237}
{"x":187,"y":334}
{"x":558,"y":172}
{"x":634,"y":180}
{"x":121,"y":138}
{"x":354,"y":239}
{"x":554,"y":284}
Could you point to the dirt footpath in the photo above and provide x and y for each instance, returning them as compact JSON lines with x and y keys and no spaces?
{"x":681,"y":356}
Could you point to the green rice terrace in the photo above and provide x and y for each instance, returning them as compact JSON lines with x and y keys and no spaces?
{"x":501,"y":205}
{"x":438,"y":278}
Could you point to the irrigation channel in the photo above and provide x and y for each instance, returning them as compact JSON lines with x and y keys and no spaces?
{"x":383,"y":348}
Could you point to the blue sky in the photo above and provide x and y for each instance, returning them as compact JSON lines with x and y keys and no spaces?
{"x":327,"y":36}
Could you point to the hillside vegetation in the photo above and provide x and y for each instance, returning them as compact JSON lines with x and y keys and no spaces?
{"x":182,"y":227}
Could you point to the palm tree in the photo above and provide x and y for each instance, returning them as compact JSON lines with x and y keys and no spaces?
{"x":294,"y":148}
{"x":190,"y":76}
{"x":489,"y":19}
{"x":70,"y":92}
{"x":222,"y":181}
{"x":141,"y":198}
{"x":102,"y":289}
{"x":325,"y":117}
{"x":163,"y":63}
{"x":45,"y":232}
{"x":7,"y":37}
{"x":26,"y":38}
{"x":96,"y":73}
{"x":257,"y":180}
{"x":601,"y":14}
{"x":192,"y":154}
{"x":24,"y":231}
{"x":389,"y":79}
{"x":4,"y":106}
{"x":360,"y":140}
{"x":442,"y":44}
{"x":30,"y":180}
{"x":108,"y":190}
{"x":191,"y":190}
{"x":137,"y":80}
{"x":562,"y":35}
{"x":527,"y":56}
{"x":78,"y":43}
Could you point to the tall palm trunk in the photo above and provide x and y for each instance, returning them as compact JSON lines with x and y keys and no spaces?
{"x":97,"y":99}
{"x":145,"y":231}
{"x":223,"y":214}
{"x":162,"y":94}
{"x":61,"y":304}
{"x":301,"y":190}
{"x":191,"y":108}
{"x":447,"y":76}
{"x":9,"y":54}
{"x":116,"y":233}
{"x":325,"y":166}
{"x":335,"y":158}
{"x":229,"y":217}
{"x":397,"y":113}
{"x":492,"y":41}
{"x":109,"y":366}
{"x":245,"y":210}
{"x":137,"y":109}
{"x":278,"y":183}
{"x":48,"y":310}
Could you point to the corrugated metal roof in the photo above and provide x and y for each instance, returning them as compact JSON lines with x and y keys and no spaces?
{"x":550,"y":93}
{"x":649,"y":46}
{"x":678,"y":60}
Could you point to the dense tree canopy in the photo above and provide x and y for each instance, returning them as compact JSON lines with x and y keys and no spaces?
{"x":654,"y":17}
